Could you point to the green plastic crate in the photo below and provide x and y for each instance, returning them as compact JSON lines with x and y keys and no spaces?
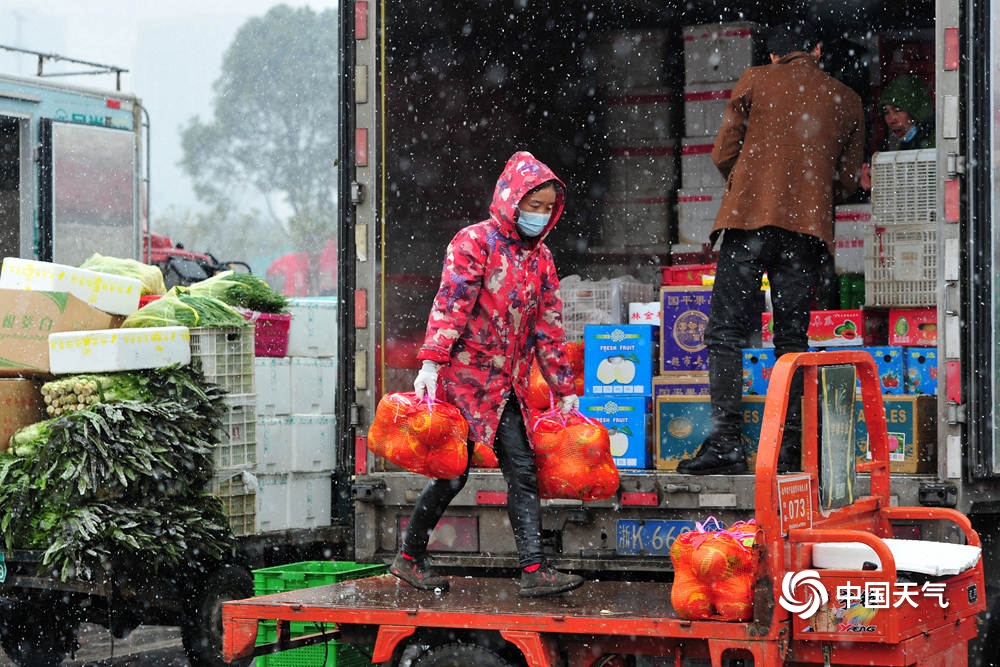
{"x":309,"y":574}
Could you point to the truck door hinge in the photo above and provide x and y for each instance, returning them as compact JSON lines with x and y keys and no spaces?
{"x":955,"y":165}
{"x":956,"y":413}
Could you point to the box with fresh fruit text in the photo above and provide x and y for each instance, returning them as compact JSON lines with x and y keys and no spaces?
{"x":891,"y":364}
{"x":757,"y":365}
{"x":921,"y":370}
{"x":618,"y":359}
{"x":836,"y":328}
{"x":913,"y":327}
{"x":683,"y":316}
{"x":911,"y":422}
{"x":625,"y":417}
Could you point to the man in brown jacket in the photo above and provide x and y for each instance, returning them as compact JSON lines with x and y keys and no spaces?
{"x":790,"y":146}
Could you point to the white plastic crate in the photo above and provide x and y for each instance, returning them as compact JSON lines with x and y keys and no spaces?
{"x":236,"y":442}
{"x":226,"y":355}
{"x":294,"y":500}
{"x":599,"y":302}
{"x":901,"y":265}
{"x":296,"y":443}
{"x":273,"y":382}
{"x":904,"y":187}
{"x":237,"y":490}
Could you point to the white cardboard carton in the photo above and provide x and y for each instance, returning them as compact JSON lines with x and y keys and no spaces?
{"x":314,"y":385}
{"x":273,"y":382}
{"x":312,"y":332}
{"x":112,"y":294}
{"x":110,"y":350}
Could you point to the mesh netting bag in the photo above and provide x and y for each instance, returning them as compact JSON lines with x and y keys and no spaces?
{"x":424,"y":436}
{"x":715,"y":571}
{"x":573,"y":454}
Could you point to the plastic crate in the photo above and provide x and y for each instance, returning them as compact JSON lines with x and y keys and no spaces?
{"x":901,"y":266}
{"x":599,"y":302}
{"x":309,"y":574}
{"x":226,"y":356}
{"x":236,"y":442}
{"x":330,"y":654}
{"x":904,"y":187}
{"x":270,"y":334}
{"x":237,"y":490}
{"x":686,"y":274}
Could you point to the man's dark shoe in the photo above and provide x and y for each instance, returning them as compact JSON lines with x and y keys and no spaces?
{"x":716,"y":456}
{"x":418,"y":573}
{"x":546,"y":580}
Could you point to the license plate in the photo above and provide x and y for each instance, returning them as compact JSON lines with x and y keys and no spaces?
{"x":648,"y":538}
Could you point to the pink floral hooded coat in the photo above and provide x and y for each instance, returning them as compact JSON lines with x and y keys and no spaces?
{"x":498,"y":307}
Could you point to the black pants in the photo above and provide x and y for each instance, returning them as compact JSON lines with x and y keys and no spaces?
{"x":792,"y":263}
{"x":517,"y":463}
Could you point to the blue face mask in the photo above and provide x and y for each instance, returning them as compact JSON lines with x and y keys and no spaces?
{"x":912,"y":132}
{"x":531,"y":224}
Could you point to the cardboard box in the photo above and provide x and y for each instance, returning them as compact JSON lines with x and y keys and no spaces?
{"x":849,"y":225}
{"x":757,"y":365}
{"x":27,"y":317}
{"x":704,"y":106}
{"x":645,"y":114}
{"x":683,"y":422}
{"x":921,"y":370}
{"x":681,"y":384}
{"x":21,"y":405}
{"x":684,"y":314}
{"x":836,"y":328}
{"x":891,"y":364}
{"x":625,"y":417}
{"x":915,"y":327}
{"x":112,"y":294}
{"x":618,"y":359}
{"x":911,"y":422}
{"x":719,"y":51}
{"x":110,"y":350}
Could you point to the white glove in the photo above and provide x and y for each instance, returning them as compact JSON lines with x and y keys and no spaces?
{"x":427,"y":378}
{"x":569,"y":403}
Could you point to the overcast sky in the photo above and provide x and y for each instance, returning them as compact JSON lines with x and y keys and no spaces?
{"x":173,"y":50}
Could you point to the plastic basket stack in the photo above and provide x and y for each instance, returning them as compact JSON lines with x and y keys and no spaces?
{"x":901,"y":245}
{"x":599,"y":301}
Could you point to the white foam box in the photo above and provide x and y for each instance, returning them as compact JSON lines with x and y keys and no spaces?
{"x":117,"y":295}
{"x":849,"y":225}
{"x":111,"y":350}
{"x":697,"y":168}
{"x":628,"y":59}
{"x":696,"y":212}
{"x":312,"y":332}
{"x":273,"y":383}
{"x":643,"y":171}
{"x":294,"y":500}
{"x":719,"y":51}
{"x":704,"y":105}
{"x":640,"y":114}
{"x":296,"y":443}
{"x":314,"y":385}
{"x":636,"y":223}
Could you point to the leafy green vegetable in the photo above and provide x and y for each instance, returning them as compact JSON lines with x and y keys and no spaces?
{"x":178,"y":308}
{"x":150,"y":276}
{"x":242,"y":290}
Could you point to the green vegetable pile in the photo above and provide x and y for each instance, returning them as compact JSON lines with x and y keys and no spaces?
{"x":120,"y":481}
{"x":242,"y":290}
{"x":179,"y":308}
{"x":150,"y":276}
{"x":79,"y":391}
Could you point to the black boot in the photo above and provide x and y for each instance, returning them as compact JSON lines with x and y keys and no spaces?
{"x":718,"y":455}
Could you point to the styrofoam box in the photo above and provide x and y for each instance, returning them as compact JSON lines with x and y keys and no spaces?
{"x":697,"y":168}
{"x":273,"y":381}
{"x":704,"y":105}
{"x":718,"y":51}
{"x":314,"y":385}
{"x":112,"y":294}
{"x":849,"y":225}
{"x":110,"y":350}
{"x":636,"y":223}
{"x":296,"y":443}
{"x":640,"y":113}
{"x":630,"y":59}
{"x":312,"y":332}
{"x":647,"y":171}
{"x":294,"y":500}
{"x":696,"y":212}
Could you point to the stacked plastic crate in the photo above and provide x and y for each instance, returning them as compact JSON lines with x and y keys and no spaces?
{"x":296,"y":427}
{"x":639,"y":120}
{"x":715,"y":56}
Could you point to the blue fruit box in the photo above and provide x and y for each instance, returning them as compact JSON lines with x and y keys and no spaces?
{"x":618,"y":359}
{"x":683,"y":317}
{"x":625,"y":418}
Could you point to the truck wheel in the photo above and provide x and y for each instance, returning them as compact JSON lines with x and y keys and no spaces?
{"x":36,"y":635}
{"x":461,"y":655}
{"x":201,"y":629}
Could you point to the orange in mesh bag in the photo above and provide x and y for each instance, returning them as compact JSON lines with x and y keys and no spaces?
{"x":539,"y":394}
{"x":573,"y":454}
{"x":427,"y":436}
{"x":719,"y":565}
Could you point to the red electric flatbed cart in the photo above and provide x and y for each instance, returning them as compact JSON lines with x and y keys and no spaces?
{"x":863,"y":614}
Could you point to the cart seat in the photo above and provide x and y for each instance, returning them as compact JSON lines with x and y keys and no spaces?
{"x":936,"y":559}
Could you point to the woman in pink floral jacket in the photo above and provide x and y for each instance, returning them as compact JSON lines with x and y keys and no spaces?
{"x":497,"y":309}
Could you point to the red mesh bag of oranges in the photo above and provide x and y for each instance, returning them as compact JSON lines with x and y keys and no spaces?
{"x":715,"y":571}
{"x":539,"y":394}
{"x":573,"y":454}
{"x":424,"y":436}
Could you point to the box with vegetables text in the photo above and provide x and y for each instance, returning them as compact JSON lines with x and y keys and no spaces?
{"x":21,"y":405}
{"x":683,"y":316}
{"x":913,"y":327}
{"x":618,"y":359}
{"x":911,"y":422}
{"x":625,"y":417}
{"x":921,"y":370}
